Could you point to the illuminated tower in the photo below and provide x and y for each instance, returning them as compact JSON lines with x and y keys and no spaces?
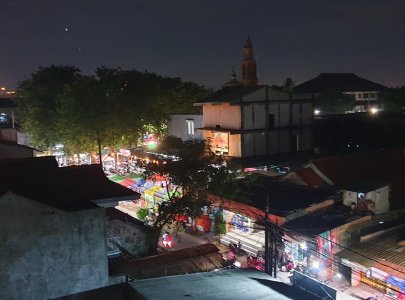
{"x":249,"y":74}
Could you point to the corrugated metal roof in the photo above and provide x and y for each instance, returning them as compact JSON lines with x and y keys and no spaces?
{"x":201,"y":258}
{"x":383,"y":252}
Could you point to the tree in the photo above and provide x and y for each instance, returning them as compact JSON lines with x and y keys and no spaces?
{"x":115,"y":107}
{"x":142,"y":213}
{"x":334,"y":102}
{"x":195,"y":173}
{"x":37,"y":102}
{"x":220,"y":226}
{"x":392,"y":99}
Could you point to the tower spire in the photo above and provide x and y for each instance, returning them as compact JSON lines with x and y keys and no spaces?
{"x":249,"y":73}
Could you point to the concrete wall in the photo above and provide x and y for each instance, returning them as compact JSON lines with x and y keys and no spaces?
{"x":379,"y":197}
{"x":225,"y":115}
{"x":177,"y":126}
{"x":8,"y":151}
{"x":132,"y":236}
{"x":46,"y":253}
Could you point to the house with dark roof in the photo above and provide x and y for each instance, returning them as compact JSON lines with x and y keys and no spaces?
{"x":244,"y":119}
{"x":251,"y":121}
{"x":53,"y":221}
{"x":365,"y":92}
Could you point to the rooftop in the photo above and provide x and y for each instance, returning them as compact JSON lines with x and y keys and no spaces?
{"x":69,"y":189}
{"x":230,"y":94}
{"x":228,"y":284}
{"x":342,"y":82}
{"x":285,"y":198}
{"x":201,"y":258}
{"x":384,"y":166}
{"x":383,"y":252}
{"x":323,"y":220}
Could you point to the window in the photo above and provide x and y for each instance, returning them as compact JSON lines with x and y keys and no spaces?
{"x":190,"y":126}
{"x":365,"y":95}
{"x":271,"y":120}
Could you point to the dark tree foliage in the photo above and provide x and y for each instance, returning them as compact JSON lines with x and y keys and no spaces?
{"x":332,"y":102}
{"x":58,"y":105}
{"x":393,"y":99}
{"x":195,"y":173}
{"x":38,"y":102}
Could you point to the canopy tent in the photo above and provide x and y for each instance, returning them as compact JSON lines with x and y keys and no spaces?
{"x":116,"y":178}
{"x":135,"y":176}
{"x":157,"y":177}
{"x":127,"y":182}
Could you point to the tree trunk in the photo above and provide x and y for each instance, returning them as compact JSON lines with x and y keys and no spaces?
{"x":152,"y":240}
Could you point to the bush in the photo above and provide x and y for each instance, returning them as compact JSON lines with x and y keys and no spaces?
{"x":142,"y":213}
{"x":220,"y":226}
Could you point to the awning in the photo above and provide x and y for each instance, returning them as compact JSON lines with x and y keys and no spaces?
{"x":127,"y":182}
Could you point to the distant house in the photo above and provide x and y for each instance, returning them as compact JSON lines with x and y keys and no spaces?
{"x":244,"y":119}
{"x":53,"y":240}
{"x":365,"y":92}
{"x":248,"y":121}
{"x":385,"y":166}
{"x":367,"y":195}
{"x":184,"y":126}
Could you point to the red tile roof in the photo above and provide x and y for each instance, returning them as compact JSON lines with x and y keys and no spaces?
{"x":310,"y":177}
{"x":387,"y":166}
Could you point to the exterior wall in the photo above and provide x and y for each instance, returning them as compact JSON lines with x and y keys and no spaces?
{"x":254,"y":116}
{"x":46,"y":253}
{"x":132,"y":237}
{"x":379,"y":197}
{"x":178,"y":127}
{"x":254,"y":144}
{"x":9,"y":134}
{"x":225,"y":115}
{"x":235,"y":145}
{"x":14,"y":151}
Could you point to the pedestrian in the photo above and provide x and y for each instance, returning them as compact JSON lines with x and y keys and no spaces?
{"x":164,"y":238}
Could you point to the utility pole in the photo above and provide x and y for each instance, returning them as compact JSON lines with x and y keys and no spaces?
{"x":99,"y":152}
{"x":267,"y":259}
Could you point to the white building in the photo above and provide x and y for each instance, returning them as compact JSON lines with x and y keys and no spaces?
{"x":184,"y":126}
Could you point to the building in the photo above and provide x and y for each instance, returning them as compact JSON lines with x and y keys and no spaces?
{"x":53,"y":228}
{"x":373,"y":170}
{"x":219,"y":284}
{"x":365,"y":92}
{"x":228,"y":284}
{"x":378,"y":260}
{"x":244,"y":119}
{"x":184,"y":126}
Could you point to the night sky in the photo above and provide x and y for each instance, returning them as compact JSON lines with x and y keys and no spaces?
{"x":200,"y":40}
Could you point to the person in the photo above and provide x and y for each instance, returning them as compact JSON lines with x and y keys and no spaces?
{"x":164,"y":238}
{"x":168,"y":240}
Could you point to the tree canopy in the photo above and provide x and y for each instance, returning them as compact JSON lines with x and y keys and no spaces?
{"x":195,"y":172}
{"x":58,"y":104}
{"x":334,"y":102}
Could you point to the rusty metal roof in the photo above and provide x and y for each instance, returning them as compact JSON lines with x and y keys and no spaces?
{"x":201,"y":258}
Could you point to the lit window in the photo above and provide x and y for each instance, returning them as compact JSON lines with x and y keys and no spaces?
{"x":190,"y":126}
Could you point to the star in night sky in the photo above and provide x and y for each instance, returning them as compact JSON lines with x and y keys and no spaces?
{"x":200,"y":40}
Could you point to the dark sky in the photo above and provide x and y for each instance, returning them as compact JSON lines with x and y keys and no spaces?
{"x":200,"y":40}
